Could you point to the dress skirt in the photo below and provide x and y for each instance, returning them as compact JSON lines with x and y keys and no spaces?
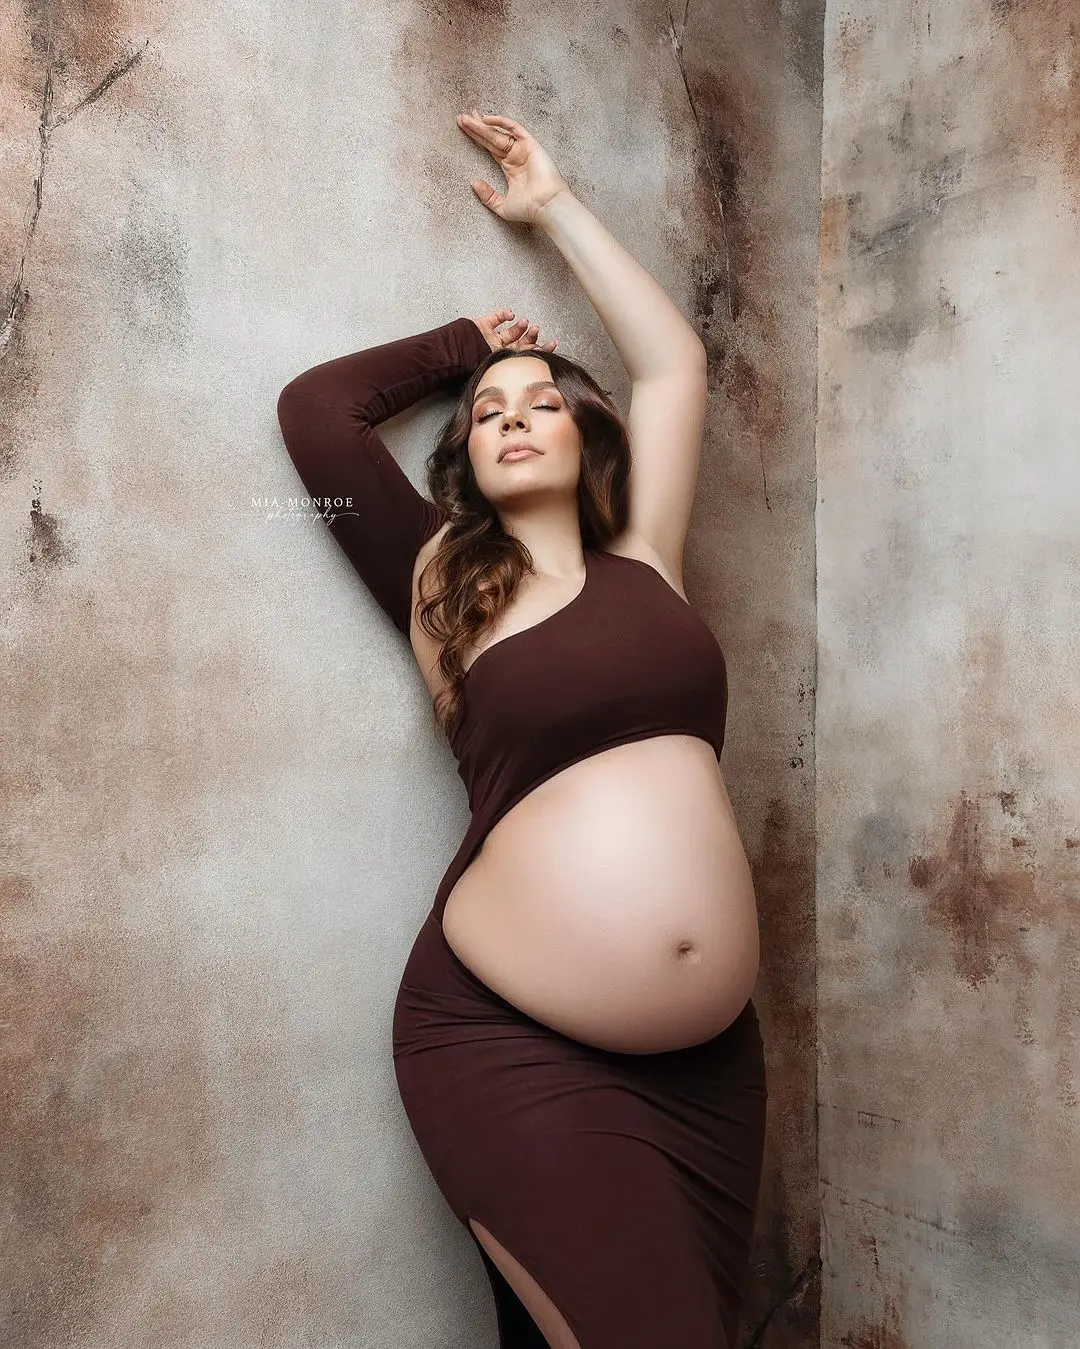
{"x":626,"y":1184}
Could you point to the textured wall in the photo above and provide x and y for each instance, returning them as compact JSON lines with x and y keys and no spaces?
{"x":226,"y":812}
{"x":949,"y":675}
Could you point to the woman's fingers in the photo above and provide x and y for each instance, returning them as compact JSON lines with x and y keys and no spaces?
{"x":517,"y":333}
{"x":478,"y":131}
{"x":521,"y":334}
{"x":493,"y":200}
{"x":505,"y":124}
{"x":527,"y":341}
{"x":490,"y":130}
{"x":469,"y":125}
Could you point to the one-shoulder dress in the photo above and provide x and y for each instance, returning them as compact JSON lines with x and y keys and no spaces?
{"x":626,"y":1184}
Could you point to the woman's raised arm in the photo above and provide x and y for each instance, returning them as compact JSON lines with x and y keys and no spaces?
{"x":666,"y":360}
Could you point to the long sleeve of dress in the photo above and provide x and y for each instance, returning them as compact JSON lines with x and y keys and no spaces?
{"x":327,"y":416}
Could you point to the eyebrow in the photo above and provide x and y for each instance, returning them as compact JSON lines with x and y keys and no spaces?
{"x":536,"y":384}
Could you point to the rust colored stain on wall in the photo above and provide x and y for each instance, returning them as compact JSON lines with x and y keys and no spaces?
{"x":985,"y":906}
{"x":1041,"y":112}
{"x":79,"y":38}
{"x":883,"y":1334}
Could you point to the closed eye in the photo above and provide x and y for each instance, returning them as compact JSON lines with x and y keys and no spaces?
{"x":552,"y":407}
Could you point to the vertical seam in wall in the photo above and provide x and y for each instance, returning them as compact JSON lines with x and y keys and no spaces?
{"x":817,"y":662}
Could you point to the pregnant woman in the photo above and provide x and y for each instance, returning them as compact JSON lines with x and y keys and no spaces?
{"x":574,"y":1038}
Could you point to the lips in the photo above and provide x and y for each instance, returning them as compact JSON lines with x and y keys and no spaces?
{"x":516,"y":445}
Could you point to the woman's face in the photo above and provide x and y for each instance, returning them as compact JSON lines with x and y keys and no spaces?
{"x":518,"y":404}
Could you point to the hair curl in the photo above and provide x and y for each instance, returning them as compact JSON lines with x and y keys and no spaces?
{"x":478,"y":565}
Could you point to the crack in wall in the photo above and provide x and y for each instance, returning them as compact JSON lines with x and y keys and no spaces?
{"x":46,"y":125}
{"x":810,"y":1271}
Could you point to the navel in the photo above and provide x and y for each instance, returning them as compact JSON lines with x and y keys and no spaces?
{"x":688,"y":951}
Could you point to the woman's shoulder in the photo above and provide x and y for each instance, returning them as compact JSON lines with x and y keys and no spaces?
{"x":429,"y":548}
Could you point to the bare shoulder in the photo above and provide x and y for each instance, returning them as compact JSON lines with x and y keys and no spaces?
{"x":629,"y":544}
{"x":428,"y":550}
{"x":426,"y":648}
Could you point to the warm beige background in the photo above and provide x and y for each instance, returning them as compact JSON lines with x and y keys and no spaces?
{"x":226,"y":811}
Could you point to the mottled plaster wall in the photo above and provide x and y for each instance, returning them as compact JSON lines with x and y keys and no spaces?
{"x":226,"y":811}
{"x":949,"y":676}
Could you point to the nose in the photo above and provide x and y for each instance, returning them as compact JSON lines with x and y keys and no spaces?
{"x":514,"y":419}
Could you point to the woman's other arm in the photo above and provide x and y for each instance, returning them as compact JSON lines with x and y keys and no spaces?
{"x":327,"y":417}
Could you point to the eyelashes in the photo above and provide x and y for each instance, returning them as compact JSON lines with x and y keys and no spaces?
{"x":551,"y":407}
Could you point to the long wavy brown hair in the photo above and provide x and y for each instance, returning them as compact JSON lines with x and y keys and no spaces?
{"x":478,"y":565}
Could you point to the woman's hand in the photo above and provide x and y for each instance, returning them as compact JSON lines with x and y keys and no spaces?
{"x":521,"y":335}
{"x":531,"y":175}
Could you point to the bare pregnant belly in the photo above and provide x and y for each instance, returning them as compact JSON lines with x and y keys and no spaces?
{"x":615,"y":903}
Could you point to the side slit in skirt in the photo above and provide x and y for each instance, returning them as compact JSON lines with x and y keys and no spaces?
{"x":626,"y":1184}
